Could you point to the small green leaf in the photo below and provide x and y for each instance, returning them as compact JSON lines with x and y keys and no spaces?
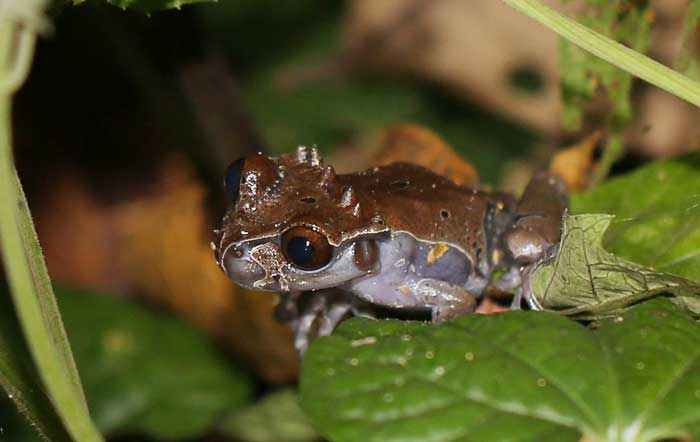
{"x":657,"y":215}
{"x":525,"y":376}
{"x":275,"y":418}
{"x":584,"y":73}
{"x":584,"y":279}
{"x":20,"y":381}
{"x":147,"y":373}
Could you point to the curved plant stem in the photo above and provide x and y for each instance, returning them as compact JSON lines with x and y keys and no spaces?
{"x":26,"y":272}
{"x":609,"y":50}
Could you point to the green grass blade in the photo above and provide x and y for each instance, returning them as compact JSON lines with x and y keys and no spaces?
{"x":609,"y":50}
{"x":29,"y":281}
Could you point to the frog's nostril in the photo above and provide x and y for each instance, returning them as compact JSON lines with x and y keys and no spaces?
{"x":236,"y":252}
{"x":240,"y":269}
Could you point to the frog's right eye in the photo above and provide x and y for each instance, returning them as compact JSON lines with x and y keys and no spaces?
{"x":232,"y":180}
{"x":306,"y":248}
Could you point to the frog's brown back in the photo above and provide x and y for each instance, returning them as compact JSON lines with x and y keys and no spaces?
{"x":412,"y":199}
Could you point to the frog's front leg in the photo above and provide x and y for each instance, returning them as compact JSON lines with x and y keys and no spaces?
{"x":537,"y":228}
{"x":445,"y":300}
{"x":315,"y":314}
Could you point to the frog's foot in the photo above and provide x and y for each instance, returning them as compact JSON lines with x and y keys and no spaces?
{"x":446,"y":301}
{"x":315,"y":314}
{"x":509,"y":281}
{"x":524,"y":292}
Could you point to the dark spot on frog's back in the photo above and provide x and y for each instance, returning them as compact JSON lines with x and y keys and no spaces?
{"x":308,"y":200}
{"x":400,"y":184}
{"x":444,"y":214}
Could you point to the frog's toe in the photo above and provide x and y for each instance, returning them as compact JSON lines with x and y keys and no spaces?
{"x":458,"y":302}
{"x":526,"y":245}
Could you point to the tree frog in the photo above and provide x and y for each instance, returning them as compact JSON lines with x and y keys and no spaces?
{"x":397,"y":236}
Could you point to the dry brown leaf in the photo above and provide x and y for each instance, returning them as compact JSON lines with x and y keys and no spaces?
{"x":489,"y":307}
{"x":575,"y":164}
{"x":419,"y":145}
{"x":80,"y":236}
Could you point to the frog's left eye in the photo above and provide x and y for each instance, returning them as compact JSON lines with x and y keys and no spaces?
{"x":306,"y":248}
{"x":232,"y":180}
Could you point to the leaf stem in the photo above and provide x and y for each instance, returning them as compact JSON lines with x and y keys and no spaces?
{"x":611,"y":51}
{"x":26,"y":272}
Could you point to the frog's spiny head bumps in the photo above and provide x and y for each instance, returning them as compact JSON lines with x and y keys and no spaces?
{"x":258,"y":175}
{"x":309,"y":156}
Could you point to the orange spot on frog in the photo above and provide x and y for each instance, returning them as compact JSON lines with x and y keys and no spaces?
{"x":436,"y":252}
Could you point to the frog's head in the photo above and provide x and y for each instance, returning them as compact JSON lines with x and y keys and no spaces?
{"x":294,"y":224}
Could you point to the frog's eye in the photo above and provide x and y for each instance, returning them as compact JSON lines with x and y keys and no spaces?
{"x":306,"y":248}
{"x":232,"y":180}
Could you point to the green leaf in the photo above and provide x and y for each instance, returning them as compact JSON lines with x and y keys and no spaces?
{"x":657,"y":215}
{"x":584,"y":279}
{"x":20,"y":382}
{"x":147,"y":373}
{"x":147,"y":5}
{"x":525,"y":376}
{"x":275,"y":418}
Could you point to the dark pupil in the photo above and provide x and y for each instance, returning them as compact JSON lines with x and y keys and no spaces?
{"x":300,"y":251}
{"x":232,"y":179}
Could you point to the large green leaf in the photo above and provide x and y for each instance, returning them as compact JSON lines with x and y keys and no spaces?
{"x":657,"y":215}
{"x":586,"y":280}
{"x":20,"y":381}
{"x":148,"y":373}
{"x":525,"y":376}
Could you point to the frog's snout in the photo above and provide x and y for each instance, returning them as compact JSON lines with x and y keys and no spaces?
{"x":239,"y":267}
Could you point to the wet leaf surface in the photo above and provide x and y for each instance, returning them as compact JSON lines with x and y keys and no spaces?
{"x":146,"y":373}
{"x":526,"y":376}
